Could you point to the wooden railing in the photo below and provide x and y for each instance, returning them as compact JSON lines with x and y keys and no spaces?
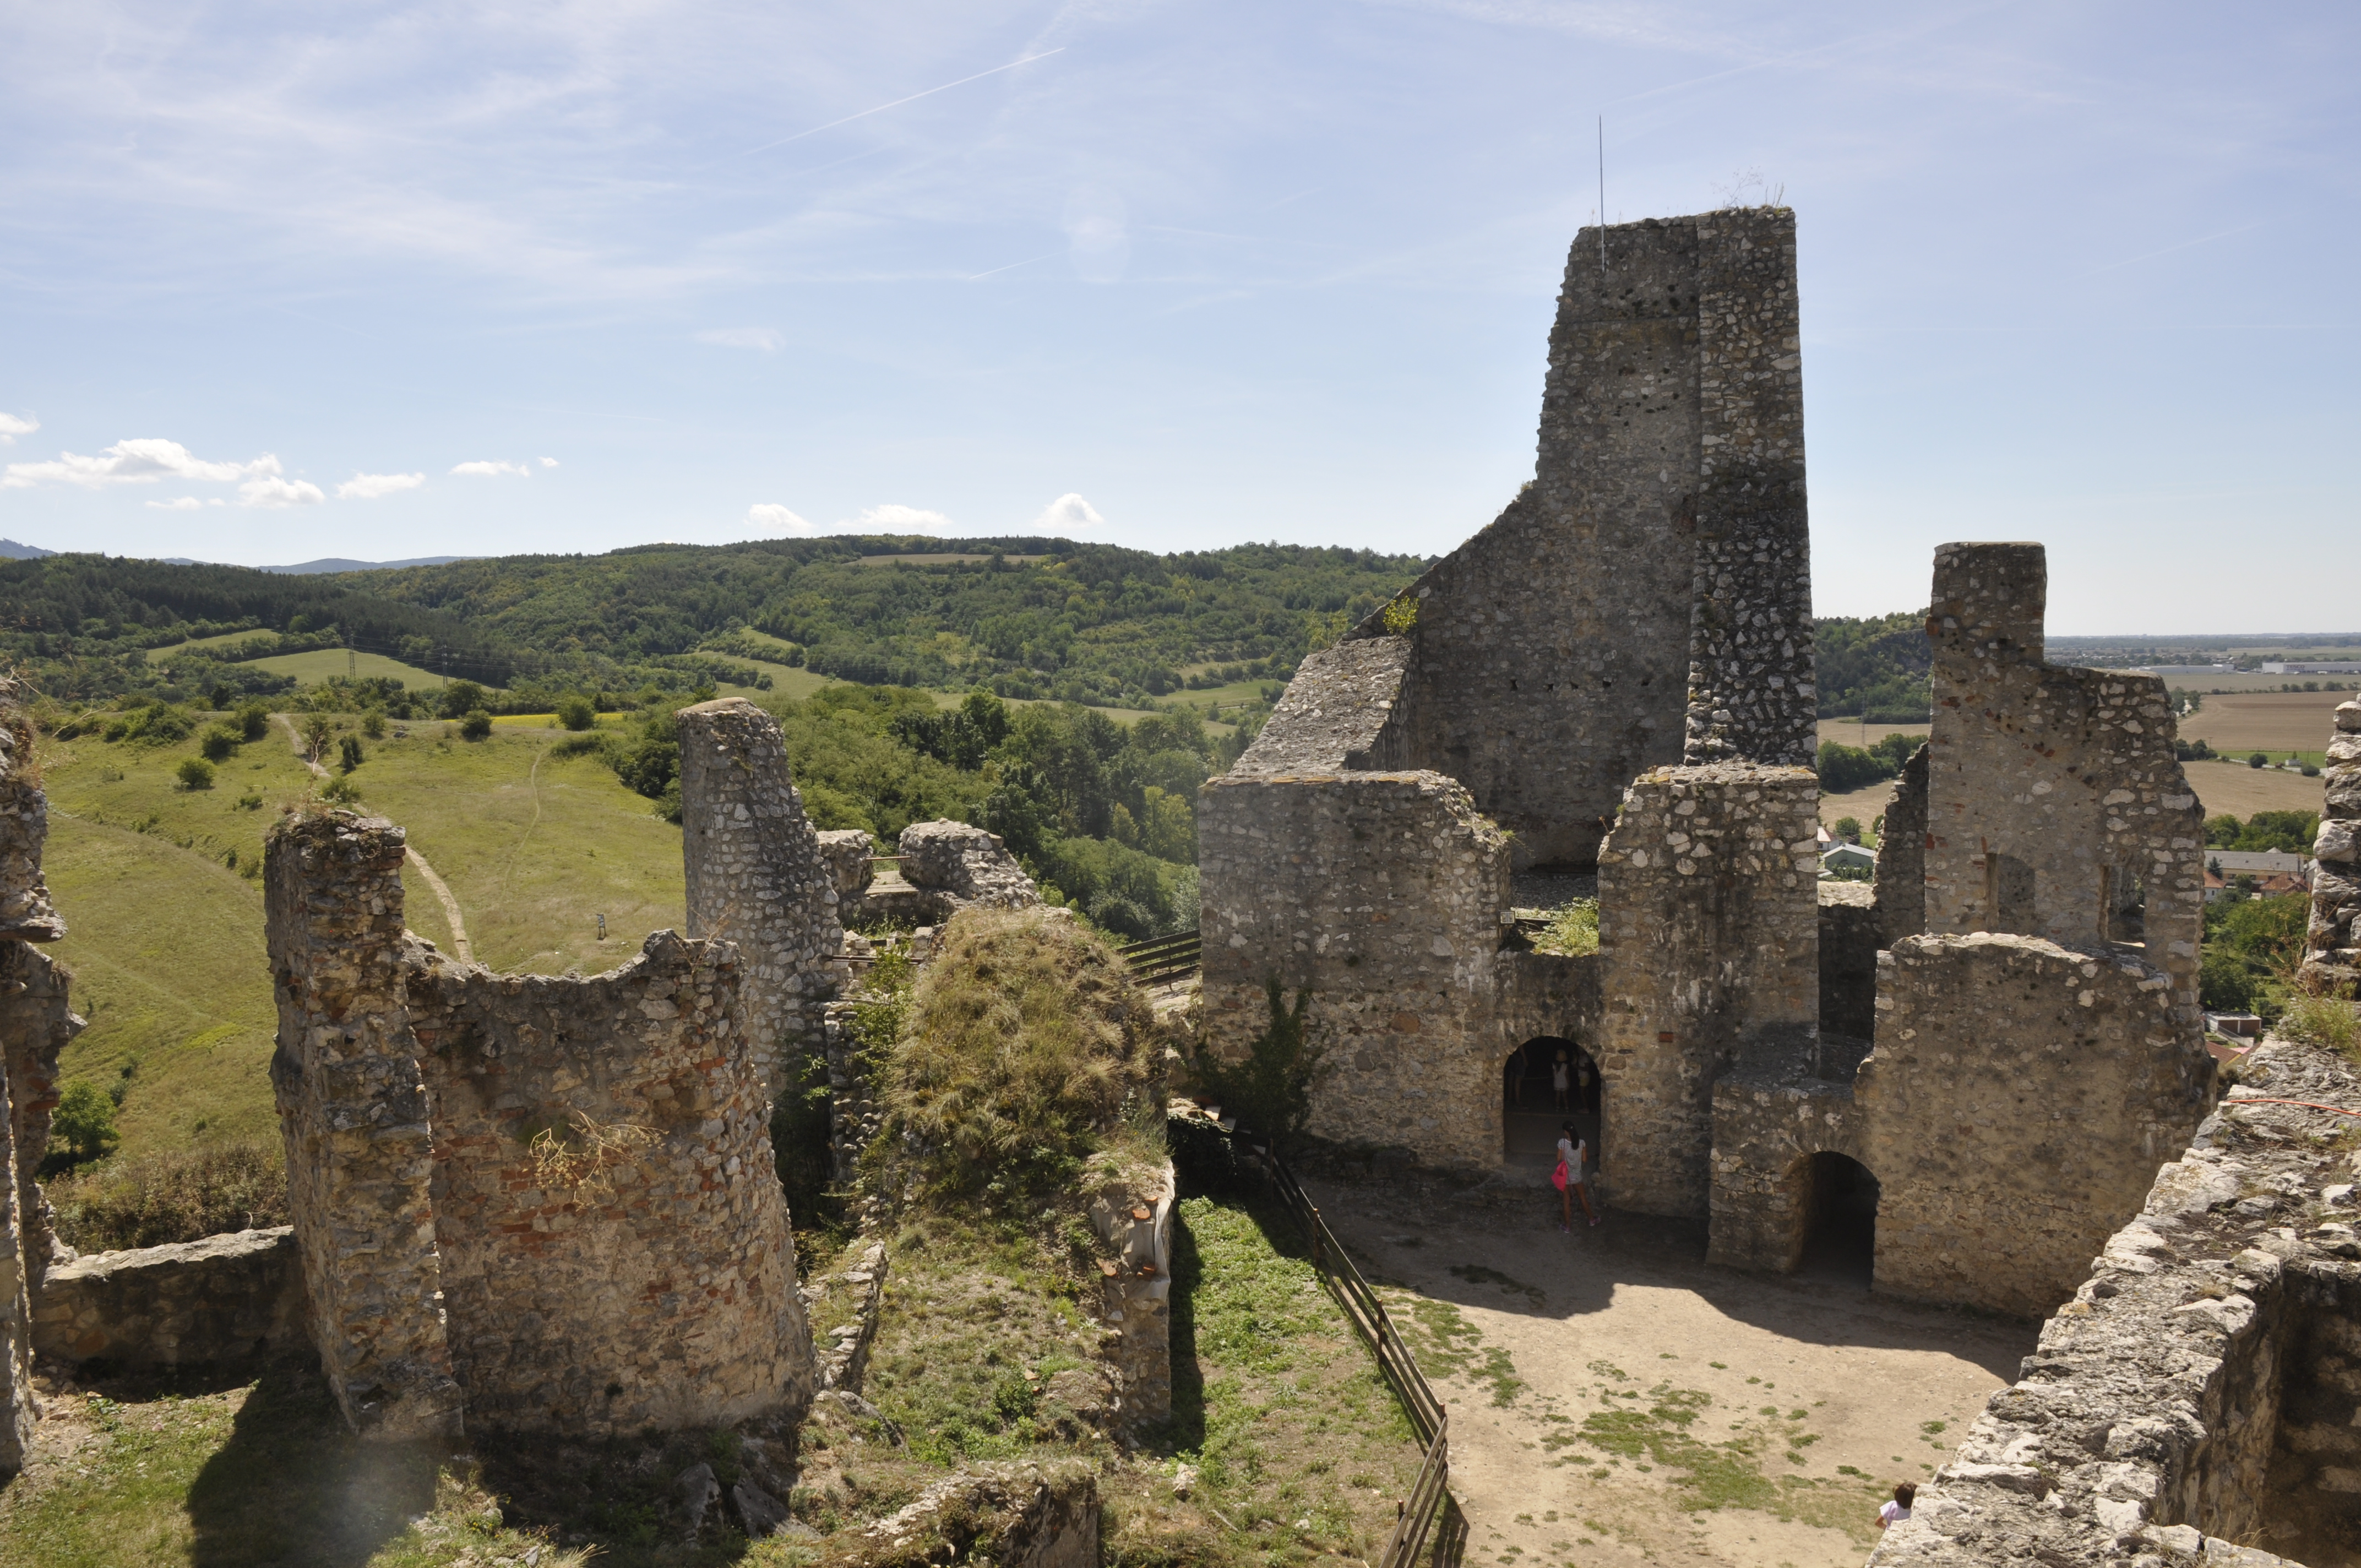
{"x":1429,"y":1498}
{"x":1162,"y":958}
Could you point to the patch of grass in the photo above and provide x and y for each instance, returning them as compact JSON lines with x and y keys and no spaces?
{"x":2323,"y":1021}
{"x":322,"y":663}
{"x":165,"y":1471}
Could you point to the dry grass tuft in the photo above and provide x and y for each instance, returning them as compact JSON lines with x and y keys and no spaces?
{"x":182,"y":1196}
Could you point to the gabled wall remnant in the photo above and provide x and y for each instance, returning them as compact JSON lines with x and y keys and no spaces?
{"x":581,"y":1168}
{"x":2332,"y":957}
{"x":756,"y":874}
{"x":2055,"y":806}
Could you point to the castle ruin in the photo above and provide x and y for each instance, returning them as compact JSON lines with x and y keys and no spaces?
{"x":1998,"y":1045}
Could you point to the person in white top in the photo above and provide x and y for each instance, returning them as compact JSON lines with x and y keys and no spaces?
{"x":1894,"y":1512}
{"x":1560,"y":1079}
{"x":1572,"y":1154}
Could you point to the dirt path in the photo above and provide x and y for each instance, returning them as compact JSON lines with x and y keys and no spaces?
{"x":441,"y":889}
{"x":1613,"y":1400}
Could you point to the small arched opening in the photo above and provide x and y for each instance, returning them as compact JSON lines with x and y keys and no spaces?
{"x":1533,"y":1106}
{"x":1839,"y":1220}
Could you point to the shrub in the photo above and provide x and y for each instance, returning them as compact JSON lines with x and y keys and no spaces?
{"x":2323,"y":1021}
{"x":577,"y":712}
{"x":476,"y":725}
{"x":1270,"y":1091}
{"x":341,"y":789}
{"x":1847,"y":768}
{"x":84,"y":1127}
{"x":460,"y":698}
{"x":219,"y":742}
{"x":1573,"y":929}
{"x":253,"y":720}
{"x":1025,"y":1047}
{"x":195,"y":773}
{"x":165,"y":1198}
{"x":2257,"y":760}
{"x":348,"y":752}
{"x":1848,"y":828}
{"x":373,"y":724}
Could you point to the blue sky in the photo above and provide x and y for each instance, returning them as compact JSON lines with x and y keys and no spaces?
{"x":287,"y":280}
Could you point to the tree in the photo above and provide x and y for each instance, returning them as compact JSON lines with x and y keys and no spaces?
{"x":2257,"y":760}
{"x":1849,"y":830}
{"x":348,"y":752}
{"x":1270,"y":1091}
{"x":84,"y":1124}
{"x":195,"y":773}
{"x":476,"y":725}
{"x":577,"y":712}
{"x":460,"y":698}
{"x":219,"y":742}
{"x":253,"y":720}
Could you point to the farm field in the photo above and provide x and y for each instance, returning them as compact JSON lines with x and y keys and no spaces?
{"x":2280,"y":722}
{"x":1853,"y":732}
{"x":324,"y":663}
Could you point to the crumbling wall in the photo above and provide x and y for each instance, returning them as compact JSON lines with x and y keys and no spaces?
{"x":1553,"y":651}
{"x":2332,"y":957}
{"x":1771,"y":1116}
{"x":848,"y":854}
{"x":2054,"y":798}
{"x":352,"y":1111}
{"x":615,"y":1250}
{"x":2019,"y":1101}
{"x":1709,"y":947}
{"x":756,"y":874}
{"x":220,"y":1298}
{"x":1383,"y":896}
{"x":964,"y":866}
{"x":1902,"y":856}
{"x":2200,"y":1389}
{"x":1132,"y":1213}
{"x":631,"y":1268}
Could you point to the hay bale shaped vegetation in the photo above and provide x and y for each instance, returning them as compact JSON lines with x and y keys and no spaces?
{"x":1026,"y":1049}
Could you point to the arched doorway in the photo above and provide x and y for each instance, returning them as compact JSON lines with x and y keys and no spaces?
{"x":1529,"y":1114}
{"x":1839,"y":1220}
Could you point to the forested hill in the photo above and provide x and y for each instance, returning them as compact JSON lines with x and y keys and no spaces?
{"x":1025,"y":617}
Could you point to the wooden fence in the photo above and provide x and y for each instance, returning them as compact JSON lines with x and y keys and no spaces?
{"x":1162,"y":958}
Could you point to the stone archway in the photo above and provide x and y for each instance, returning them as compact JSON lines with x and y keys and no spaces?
{"x":1529,"y":1115}
{"x":1840,"y":1200}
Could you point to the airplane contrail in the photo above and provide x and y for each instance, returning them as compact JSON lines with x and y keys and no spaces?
{"x":899,"y":102}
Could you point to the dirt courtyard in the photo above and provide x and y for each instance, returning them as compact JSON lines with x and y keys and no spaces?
{"x":1615,"y":1401}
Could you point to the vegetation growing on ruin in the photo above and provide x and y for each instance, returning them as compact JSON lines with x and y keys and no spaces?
{"x":1572,"y":930}
{"x":175,"y":1195}
{"x":1269,"y":1089}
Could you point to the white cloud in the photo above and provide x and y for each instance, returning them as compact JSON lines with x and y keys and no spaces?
{"x":369,"y":486}
{"x":770,"y":515}
{"x":141,"y":460}
{"x":1069,"y":511}
{"x":549,"y":461}
{"x":11,"y":427}
{"x":182,"y":503}
{"x":487,"y":469}
{"x":276,"y":492}
{"x":893,"y":518}
{"x":766,"y":338}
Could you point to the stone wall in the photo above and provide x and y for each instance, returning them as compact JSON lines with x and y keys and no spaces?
{"x":848,"y":851}
{"x":1850,"y":937}
{"x":1132,"y":1213}
{"x":1553,"y":652}
{"x":2017,"y":1105}
{"x":2331,"y":960}
{"x":1708,"y":949}
{"x":630,"y":1269}
{"x":2200,"y":1388}
{"x":1383,"y":894}
{"x":964,"y":866}
{"x":220,"y":1299}
{"x":635,"y":1269}
{"x":352,"y":1111}
{"x":2054,"y":799}
{"x":756,"y":874}
{"x":34,"y":1026}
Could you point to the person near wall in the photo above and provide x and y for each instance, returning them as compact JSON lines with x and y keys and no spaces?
{"x":1572,"y":1153}
{"x":1894,"y":1512}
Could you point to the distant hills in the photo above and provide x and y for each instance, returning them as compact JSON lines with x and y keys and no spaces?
{"x":12,"y":551}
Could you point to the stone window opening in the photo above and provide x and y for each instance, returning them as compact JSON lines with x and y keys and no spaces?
{"x":2122,"y":904}
{"x":1839,"y":1203}
{"x":1530,"y":1116}
{"x":2009,"y":890}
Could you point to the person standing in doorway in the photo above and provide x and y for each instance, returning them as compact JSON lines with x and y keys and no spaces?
{"x":1561,"y":1080}
{"x":1572,"y":1153}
